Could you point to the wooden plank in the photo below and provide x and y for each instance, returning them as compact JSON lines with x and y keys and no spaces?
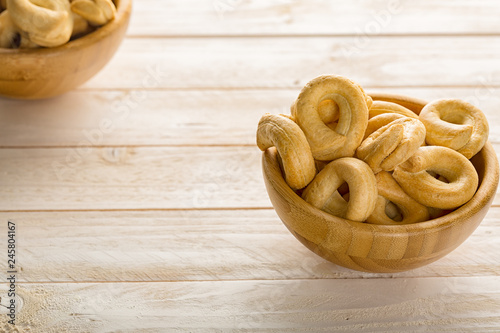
{"x":231,"y":63}
{"x":83,"y":178}
{"x":200,"y":245}
{"x":193,"y":117}
{"x":131,"y":178}
{"x":301,"y":17}
{"x":467,"y":304}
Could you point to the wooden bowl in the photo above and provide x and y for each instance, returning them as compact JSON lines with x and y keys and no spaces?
{"x":381,"y":248}
{"x":48,"y":72}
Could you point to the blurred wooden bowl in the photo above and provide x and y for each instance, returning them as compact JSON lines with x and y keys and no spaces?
{"x":48,"y":72}
{"x":381,"y":248}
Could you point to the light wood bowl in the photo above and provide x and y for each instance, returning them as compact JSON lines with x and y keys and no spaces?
{"x":381,"y":248}
{"x":48,"y":72}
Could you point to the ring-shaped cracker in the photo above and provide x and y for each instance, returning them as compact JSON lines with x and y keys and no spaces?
{"x":327,"y":144}
{"x":283,"y":133}
{"x":45,"y":22}
{"x":416,"y":179}
{"x":392,"y":144}
{"x":322,"y":191}
{"x":455,"y":124}
{"x":389,"y":194}
{"x":383,"y":107}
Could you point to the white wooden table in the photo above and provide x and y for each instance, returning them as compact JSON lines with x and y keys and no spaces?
{"x":138,"y":198}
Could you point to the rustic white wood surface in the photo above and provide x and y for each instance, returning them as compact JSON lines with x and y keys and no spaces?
{"x":139,"y":201}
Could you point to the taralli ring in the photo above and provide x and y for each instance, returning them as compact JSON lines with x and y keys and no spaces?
{"x":380,"y":121}
{"x":328,"y":144}
{"x":414,"y":177}
{"x":393,"y":205}
{"x":392,"y":144}
{"x":382,"y":107}
{"x":96,"y":12}
{"x":284,"y":134}
{"x":322,"y":191}
{"x":45,"y":22}
{"x":455,"y":124}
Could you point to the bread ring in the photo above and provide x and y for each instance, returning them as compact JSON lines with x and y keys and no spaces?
{"x":80,"y":26}
{"x":455,"y":124}
{"x":329,"y":113}
{"x":327,"y":144}
{"x":393,"y":205}
{"x":10,"y":36}
{"x":44,"y":22}
{"x":414,"y":178}
{"x":322,"y":191}
{"x":381,"y":107}
{"x":292,"y":146}
{"x":96,"y":12}
{"x":392,"y":144}
{"x":380,"y":121}
{"x":8,"y":30}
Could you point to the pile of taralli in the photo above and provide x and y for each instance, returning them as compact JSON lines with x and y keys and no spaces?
{"x":30,"y":24}
{"x":376,"y":161}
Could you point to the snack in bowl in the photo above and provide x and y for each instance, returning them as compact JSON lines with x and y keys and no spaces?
{"x":32,"y":71}
{"x":401,"y":231}
{"x":50,"y":23}
{"x":296,"y":157}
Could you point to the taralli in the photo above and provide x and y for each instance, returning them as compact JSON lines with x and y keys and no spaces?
{"x":80,"y":26}
{"x":382,"y":107}
{"x":414,"y":178}
{"x":8,"y":30}
{"x":284,"y":134}
{"x":393,"y":205}
{"x":45,"y":22}
{"x":322,"y":191}
{"x":10,"y":36}
{"x":329,"y":113}
{"x":376,"y":161}
{"x":380,"y":121}
{"x":455,"y":124}
{"x":392,"y":144}
{"x":96,"y":12}
{"x":327,"y":144}
{"x":50,"y":23}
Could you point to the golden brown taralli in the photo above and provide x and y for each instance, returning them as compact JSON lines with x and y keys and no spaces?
{"x":415,"y":178}
{"x":455,"y":124}
{"x":382,"y":107}
{"x":392,"y":144}
{"x":284,"y":134}
{"x":393,"y":205}
{"x":47,"y":22}
{"x":327,"y":144}
{"x":322,"y":191}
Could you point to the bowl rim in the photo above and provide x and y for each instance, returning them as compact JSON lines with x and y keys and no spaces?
{"x":483,"y":196}
{"x":123,"y":10}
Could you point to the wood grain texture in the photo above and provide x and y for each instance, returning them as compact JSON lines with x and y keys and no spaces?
{"x":468,"y":304}
{"x":131,"y":178}
{"x":175,"y":118}
{"x":139,"y":198}
{"x":88,"y":178}
{"x":301,"y":17}
{"x":236,"y":63}
{"x":201,"y":245}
